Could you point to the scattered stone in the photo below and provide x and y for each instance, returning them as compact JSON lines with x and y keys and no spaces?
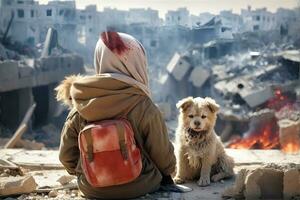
{"x":17,"y":185}
{"x":53,"y":193}
{"x":65,"y":179}
{"x":8,"y":168}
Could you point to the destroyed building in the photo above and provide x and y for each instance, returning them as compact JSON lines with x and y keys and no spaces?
{"x":28,"y":82}
{"x":252,"y":87}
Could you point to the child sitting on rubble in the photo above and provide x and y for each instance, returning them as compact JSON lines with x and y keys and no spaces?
{"x":120,"y":86}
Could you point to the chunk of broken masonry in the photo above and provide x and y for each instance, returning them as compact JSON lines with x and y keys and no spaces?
{"x":267,"y":182}
{"x":291,"y":183}
{"x":17,"y":185}
{"x":289,"y":135}
{"x":65,"y":179}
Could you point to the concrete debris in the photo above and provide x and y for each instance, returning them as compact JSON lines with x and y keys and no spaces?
{"x":8,"y":168}
{"x":65,"y":179}
{"x":17,"y":185}
{"x":199,"y":76}
{"x":258,"y":96}
{"x":268,"y":182}
{"x":178,"y":66}
{"x":53,"y":193}
{"x":37,"y":72}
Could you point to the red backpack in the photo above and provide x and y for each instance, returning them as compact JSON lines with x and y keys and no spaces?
{"x":109,"y":154}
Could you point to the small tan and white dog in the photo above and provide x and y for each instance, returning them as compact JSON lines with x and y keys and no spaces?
{"x":200,"y":153}
{"x":64,"y":88}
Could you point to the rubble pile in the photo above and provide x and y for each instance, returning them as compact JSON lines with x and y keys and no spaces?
{"x":243,"y":80}
{"x":267,"y":182}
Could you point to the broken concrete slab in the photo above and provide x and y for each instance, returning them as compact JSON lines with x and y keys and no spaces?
{"x":257,"y":96}
{"x":65,"y":179}
{"x":49,"y":178}
{"x":17,"y":185}
{"x":32,"y":159}
{"x":291,"y":183}
{"x":45,"y":71}
{"x":264,"y":183}
{"x":178,"y":67}
{"x":9,"y":70}
{"x":272,"y":181}
{"x":199,"y":76}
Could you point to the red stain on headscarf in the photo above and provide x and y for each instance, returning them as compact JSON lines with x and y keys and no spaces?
{"x":114,"y":42}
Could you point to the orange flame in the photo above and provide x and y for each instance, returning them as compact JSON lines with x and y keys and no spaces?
{"x":265,"y":140}
{"x":291,"y":147}
{"x":268,"y":137}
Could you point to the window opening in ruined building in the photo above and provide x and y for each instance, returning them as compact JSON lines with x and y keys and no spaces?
{"x":49,"y":12}
{"x":41,"y":97}
{"x":256,"y":27}
{"x":32,"y":13}
{"x":20,"y":2}
{"x":20,"y":13}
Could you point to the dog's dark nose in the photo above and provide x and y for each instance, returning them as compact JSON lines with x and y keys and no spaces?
{"x":197,"y":123}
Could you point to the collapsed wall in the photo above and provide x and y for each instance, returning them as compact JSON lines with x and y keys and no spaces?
{"x":33,"y":80}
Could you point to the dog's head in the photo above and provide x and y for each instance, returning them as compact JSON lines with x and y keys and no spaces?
{"x":63,"y":90}
{"x":198,"y":115}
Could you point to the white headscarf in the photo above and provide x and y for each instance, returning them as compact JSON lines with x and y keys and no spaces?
{"x":120,"y":56}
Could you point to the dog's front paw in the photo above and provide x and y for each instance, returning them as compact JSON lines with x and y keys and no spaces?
{"x":178,"y":180}
{"x":204,"y":181}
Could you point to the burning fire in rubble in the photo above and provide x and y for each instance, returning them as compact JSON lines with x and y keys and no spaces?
{"x":266,"y":138}
{"x":266,"y":133}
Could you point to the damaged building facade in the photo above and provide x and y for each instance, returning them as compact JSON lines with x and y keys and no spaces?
{"x":30,"y":20}
{"x":28,"y":76}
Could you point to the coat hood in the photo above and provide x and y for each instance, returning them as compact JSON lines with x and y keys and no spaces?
{"x":101,"y":97}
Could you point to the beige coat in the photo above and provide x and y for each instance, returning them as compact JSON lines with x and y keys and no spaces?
{"x":101,"y":98}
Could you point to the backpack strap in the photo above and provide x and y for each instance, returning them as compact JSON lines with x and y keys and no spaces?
{"x":121,"y":134}
{"x":89,"y":141}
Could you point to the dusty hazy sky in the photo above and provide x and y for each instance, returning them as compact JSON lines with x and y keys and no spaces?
{"x":194,"y":6}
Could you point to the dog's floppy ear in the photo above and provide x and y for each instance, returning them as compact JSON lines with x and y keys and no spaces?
{"x":212,"y":105}
{"x":185,"y":103}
